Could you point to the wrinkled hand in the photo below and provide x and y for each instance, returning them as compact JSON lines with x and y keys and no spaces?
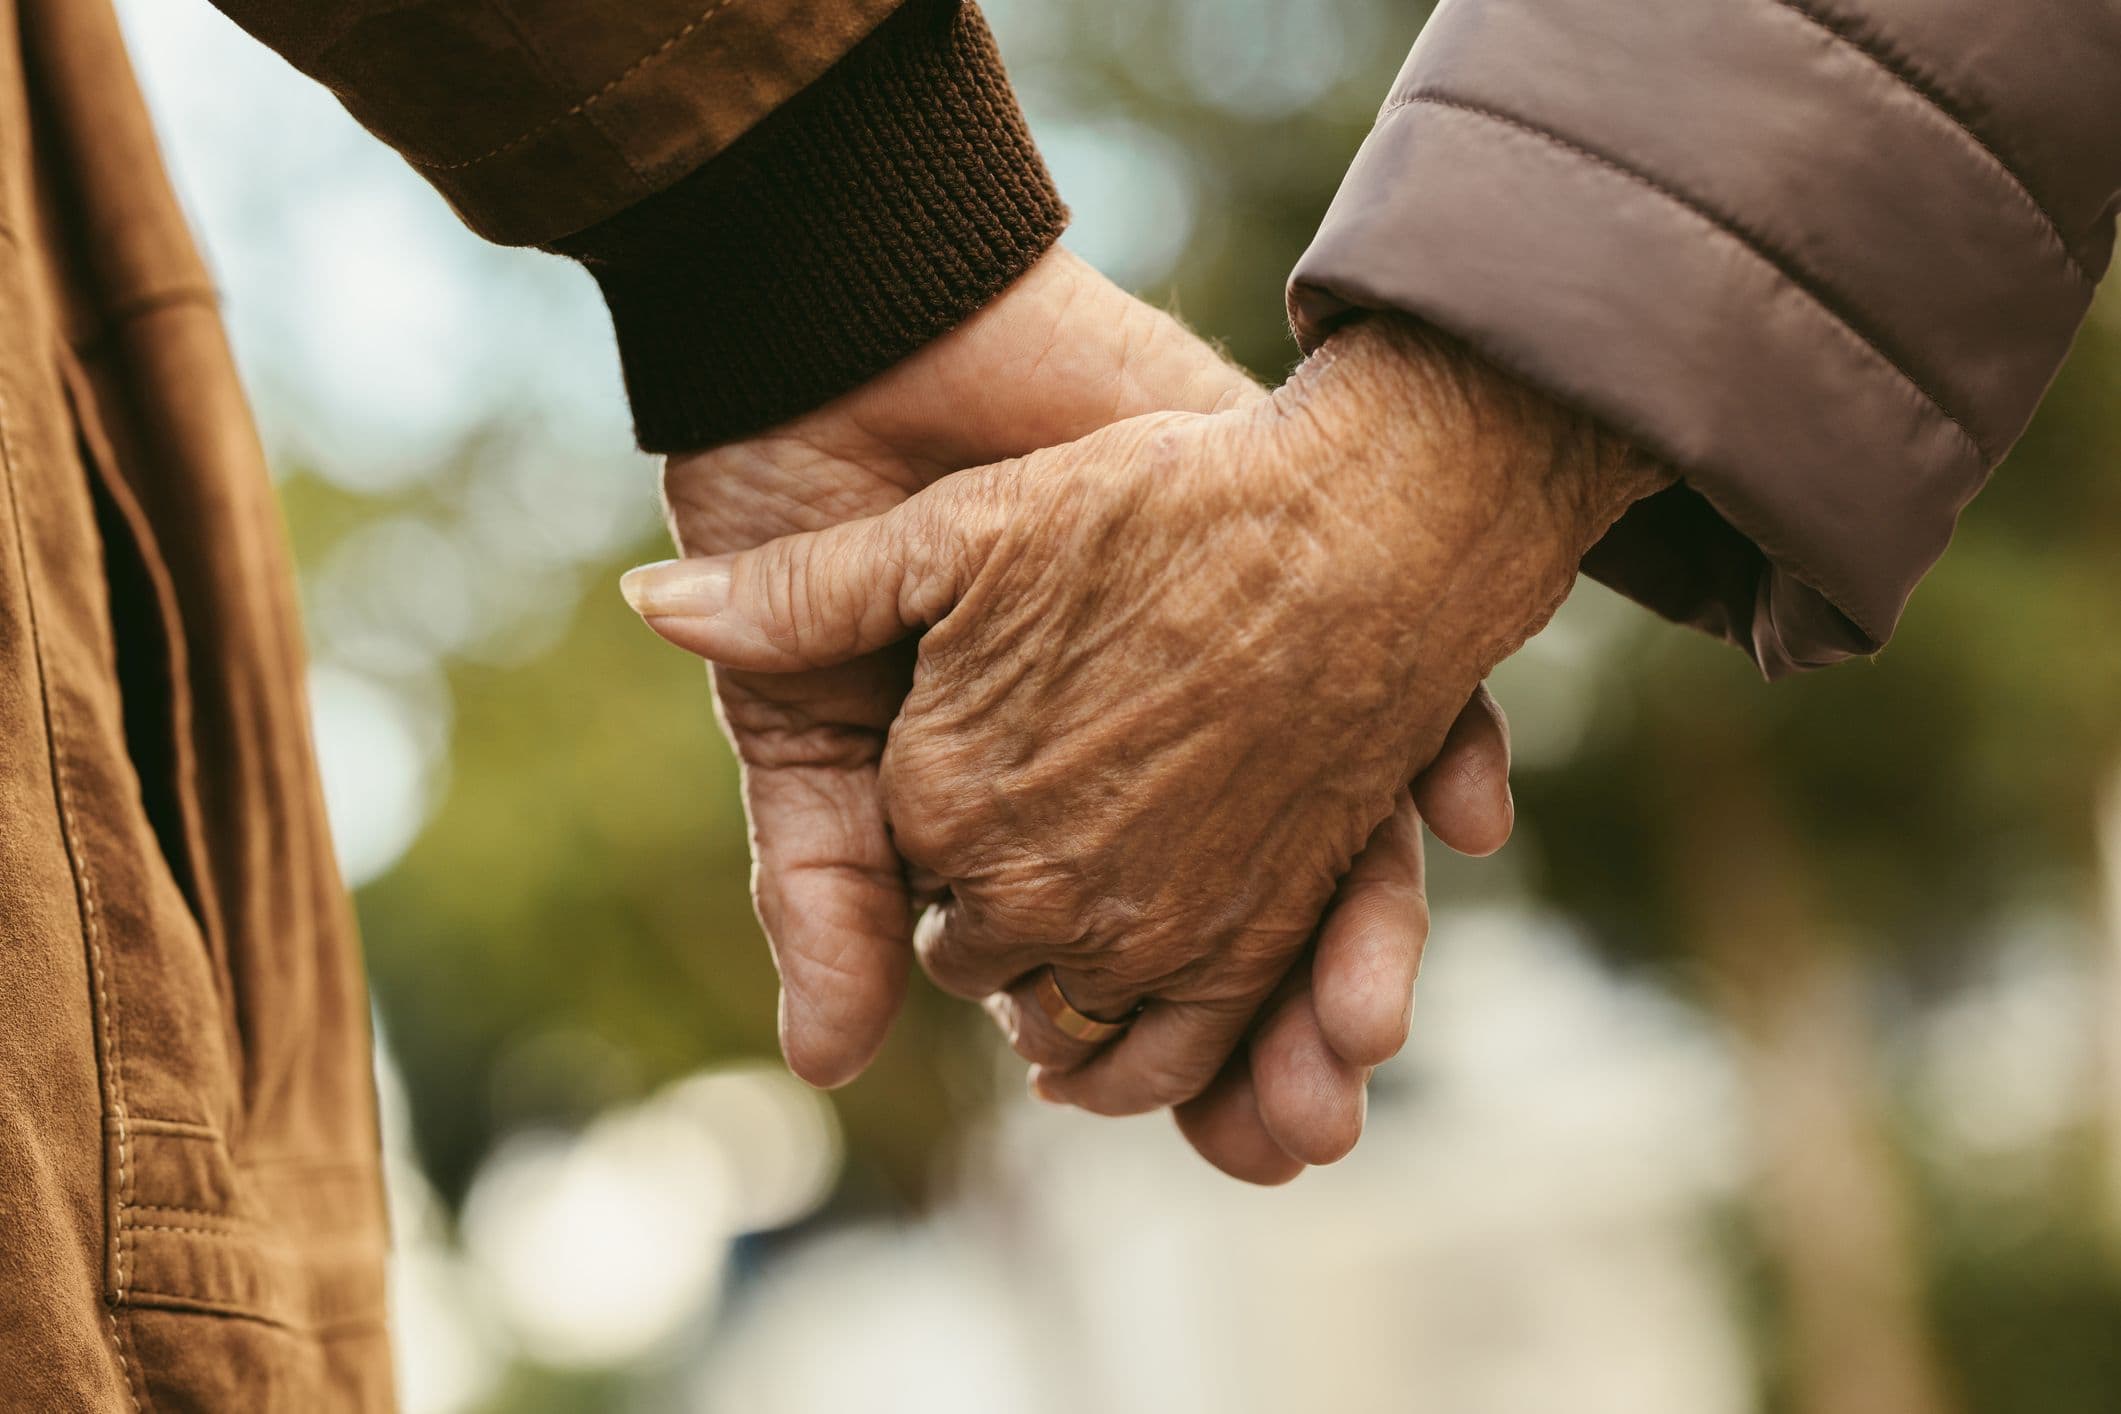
{"x":1061,"y":353}
{"x":1178,"y":673}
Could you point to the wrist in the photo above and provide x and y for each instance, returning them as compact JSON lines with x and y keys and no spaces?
{"x":1483,"y":438}
{"x":1490,"y":492}
{"x":1061,"y":352}
{"x":878,"y":209}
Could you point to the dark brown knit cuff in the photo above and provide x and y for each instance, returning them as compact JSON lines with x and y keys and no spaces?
{"x":877,"y":210}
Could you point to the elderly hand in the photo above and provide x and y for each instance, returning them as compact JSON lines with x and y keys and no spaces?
{"x":1061,"y":353}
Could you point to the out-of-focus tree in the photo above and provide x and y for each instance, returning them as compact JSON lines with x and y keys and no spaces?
{"x":1796,"y":855}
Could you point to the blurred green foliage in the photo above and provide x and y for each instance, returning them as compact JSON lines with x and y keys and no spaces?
{"x":1954,"y":776}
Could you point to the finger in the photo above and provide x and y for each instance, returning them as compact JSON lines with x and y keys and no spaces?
{"x":816,"y":599}
{"x":1370,"y":944}
{"x":965,"y":959}
{"x":1310,"y":1101}
{"x":1222,"y":1124}
{"x":1464,"y":794}
{"x":1369,"y":947}
{"x":1032,"y":1033}
{"x":833,"y":903}
{"x":1169,"y":1055}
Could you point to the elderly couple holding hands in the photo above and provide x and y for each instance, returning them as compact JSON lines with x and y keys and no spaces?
{"x":1116,"y":690}
{"x":1112,"y":688}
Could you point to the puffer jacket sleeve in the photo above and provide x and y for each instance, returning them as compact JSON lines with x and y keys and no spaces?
{"x":778,"y":198}
{"x":1822,"y":256}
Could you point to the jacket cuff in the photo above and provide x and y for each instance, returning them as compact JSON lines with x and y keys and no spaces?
{"x":874,"y":212}
{"x":1632,"y":310}
{"x":1831,"y":342}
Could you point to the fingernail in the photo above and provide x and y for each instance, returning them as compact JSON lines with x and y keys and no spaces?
{"x":1040,"y":1090}
{"x":692,"y":589}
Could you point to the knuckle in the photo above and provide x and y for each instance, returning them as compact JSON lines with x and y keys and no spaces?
{"x":1326,"y":1140}
{"x":1390,"y":906}
{"x":1173,"y":1081}
{"x":1041,"y":1045}
{"x":923,"y":834}
{"x":954,"y":963}
{"x":1122,"y":972}
{"x":768,"y":904}
{"x":1033,"y":903}
{"x":1492,"y":710}
{"x":1255,"y":959}
{"x":931,"y":563}
{"x":782,"y":588}
{"x":928,"y":798}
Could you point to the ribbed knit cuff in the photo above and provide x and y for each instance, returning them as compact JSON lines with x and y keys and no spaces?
{"x":875,"y":211}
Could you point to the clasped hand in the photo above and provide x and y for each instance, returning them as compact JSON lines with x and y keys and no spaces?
{"x":1172,"y":684}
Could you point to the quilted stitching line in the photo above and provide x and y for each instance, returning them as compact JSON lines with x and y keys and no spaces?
{"x":1932,"y":94}
{"x":1795,"y":278}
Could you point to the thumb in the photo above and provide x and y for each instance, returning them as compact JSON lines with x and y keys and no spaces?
{"x":813,"y":600}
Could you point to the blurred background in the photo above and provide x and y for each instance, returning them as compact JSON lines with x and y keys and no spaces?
{"x":1775,"y":1066}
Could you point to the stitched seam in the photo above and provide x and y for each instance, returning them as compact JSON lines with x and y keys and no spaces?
{"x":1759,"y":249}
{"x":358,"y":1166}
{"x":1912,"y":79}
{"x":583,"y":107}
{"x":543,"y":65}
{"x":265,"y":1241}
{"x":126,"y":1341}
{"x":172,"y":1128}
{"x":178,"y":1301}
{"x":215,"y":1213}
{"x":107,"y":1027}
{"x":192,"y":1212}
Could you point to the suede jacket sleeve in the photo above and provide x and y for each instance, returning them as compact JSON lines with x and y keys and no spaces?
{"x":1822,"y":256}
{"x":779,"y":198}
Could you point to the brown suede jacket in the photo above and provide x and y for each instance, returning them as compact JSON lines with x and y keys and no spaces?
{"x":1822,"y":256}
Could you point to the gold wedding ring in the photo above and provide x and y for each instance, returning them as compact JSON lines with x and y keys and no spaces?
{"x":1062,"y":1013}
